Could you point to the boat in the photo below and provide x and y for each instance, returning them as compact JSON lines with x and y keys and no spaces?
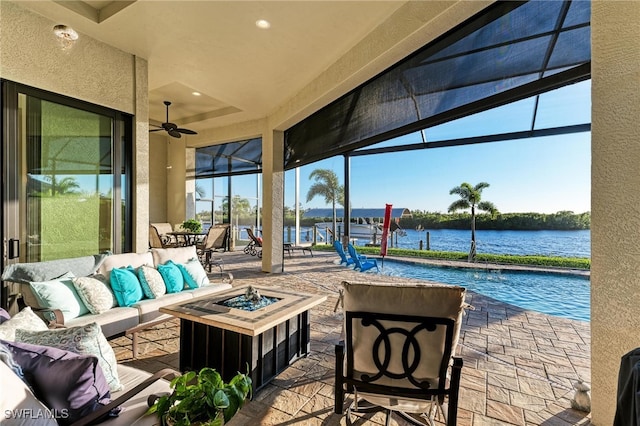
{"x":366,"y":223}
{"x":369,"y":233}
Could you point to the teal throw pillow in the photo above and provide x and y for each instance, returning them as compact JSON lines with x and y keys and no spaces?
{"x":194,"y":274}
{"x":173,"y":279}
{"x":60,"y":294}
{"x":126,"y":286}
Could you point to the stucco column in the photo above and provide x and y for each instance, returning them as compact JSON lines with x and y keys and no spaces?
{"x":615,"y":205}
{"x":140,"y":196}
{"x":272,"y":200}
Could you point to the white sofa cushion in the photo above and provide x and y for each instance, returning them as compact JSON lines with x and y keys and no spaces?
{"x":19,"y":406}
{"x":114,"y":321}
{"x":177,"y":255}
{"x":134,"y":409}
{"x":123,"y":260}
{"x":149,"y":308}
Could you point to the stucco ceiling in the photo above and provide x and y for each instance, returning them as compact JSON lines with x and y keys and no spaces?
{"x":215,"y":48}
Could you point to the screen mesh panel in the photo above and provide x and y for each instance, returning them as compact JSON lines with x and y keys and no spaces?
{"x":234,"y":158}
{"x":510,"y":51}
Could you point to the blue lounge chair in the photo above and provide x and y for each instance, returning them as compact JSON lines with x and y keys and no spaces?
{"x":343,"y":256}
{"x":360,"y":263}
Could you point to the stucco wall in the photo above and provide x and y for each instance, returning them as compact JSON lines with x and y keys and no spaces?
{"x":90,"y":71}
{"x":158,"y":178}
{"x":615,"y":210}
{"x":176,"y":181}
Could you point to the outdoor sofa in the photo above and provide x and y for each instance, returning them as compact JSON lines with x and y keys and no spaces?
{"x":45,"y":287}
{"x":60,"y":351}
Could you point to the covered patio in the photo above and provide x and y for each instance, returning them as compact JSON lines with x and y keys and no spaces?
{"x":107,"y":71}
{"x":519,"y":366}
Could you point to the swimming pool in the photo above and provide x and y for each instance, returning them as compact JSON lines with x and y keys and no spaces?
{"x":561,"y":295}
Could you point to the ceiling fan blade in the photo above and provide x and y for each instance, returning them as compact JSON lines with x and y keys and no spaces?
{"x":187,"y":131}
{"x":174,"y":133}
{"x":155,"y":130}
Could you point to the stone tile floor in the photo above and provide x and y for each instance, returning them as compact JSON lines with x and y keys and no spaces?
{"x":519,"y":366}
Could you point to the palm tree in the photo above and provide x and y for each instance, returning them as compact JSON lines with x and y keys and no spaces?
{"x":470,"y":197}
{"x":67,"y":185}
{"x":200,"y":192}
{"x":327,"y":186}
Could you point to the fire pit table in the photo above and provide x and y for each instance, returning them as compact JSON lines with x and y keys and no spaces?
{"x":263,"y":328}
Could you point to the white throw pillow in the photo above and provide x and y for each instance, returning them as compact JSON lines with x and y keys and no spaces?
{"x":85,"y":340}
{"x":194,"y":269}
{"x":26,"y":320}
{"x":95,"y":293}
{"x":151,"y":282}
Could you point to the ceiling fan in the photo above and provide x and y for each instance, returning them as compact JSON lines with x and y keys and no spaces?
{"x":172,"y":128}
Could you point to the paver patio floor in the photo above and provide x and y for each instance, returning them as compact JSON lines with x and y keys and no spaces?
{"x":519,"y":366}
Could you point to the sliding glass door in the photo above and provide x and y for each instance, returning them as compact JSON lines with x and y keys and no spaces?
{"x":67,"y":186}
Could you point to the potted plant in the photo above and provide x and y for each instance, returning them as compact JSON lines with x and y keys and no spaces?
{"x":192,"y":225}
{"x":202,"y":399}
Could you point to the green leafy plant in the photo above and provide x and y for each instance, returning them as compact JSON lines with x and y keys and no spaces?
{"x":192,"y":225}
{"x":202,"y":398}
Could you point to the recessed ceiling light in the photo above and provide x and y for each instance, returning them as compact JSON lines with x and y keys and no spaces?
{"x":196,"y":93}
{"x":65,"y":33}
{"x":263,"y":24}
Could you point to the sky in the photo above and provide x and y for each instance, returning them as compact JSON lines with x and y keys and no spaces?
{"x":543,"y":175}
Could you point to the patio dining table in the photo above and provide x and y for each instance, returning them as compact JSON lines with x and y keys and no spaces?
{"x":187,"y":238}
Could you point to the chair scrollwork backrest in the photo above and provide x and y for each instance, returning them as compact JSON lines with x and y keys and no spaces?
{"x":399,"y":345}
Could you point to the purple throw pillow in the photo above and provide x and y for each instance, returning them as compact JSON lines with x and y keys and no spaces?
{"x":4,"y":316}
{"x":69,"y":384}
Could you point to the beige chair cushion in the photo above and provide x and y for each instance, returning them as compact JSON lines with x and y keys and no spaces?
{"x":431,"y":300}
{"x":155,"y":238}
{"x":162,"y":227}
{"x":215,"y":237}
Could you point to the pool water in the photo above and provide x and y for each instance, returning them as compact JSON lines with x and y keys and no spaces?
{"x":561,"y":295}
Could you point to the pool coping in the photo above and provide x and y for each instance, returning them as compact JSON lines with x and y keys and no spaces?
{"x":492,"y":266}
